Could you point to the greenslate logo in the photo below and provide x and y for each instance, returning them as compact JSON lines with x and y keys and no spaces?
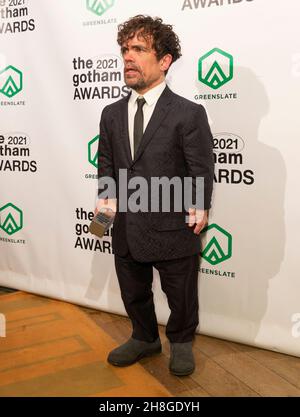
{"x":219,"y":246}
{"x":99,"y":7}
{"x":11,"y":218}
{"x":11,"y":81}
{"x":93,"y":151}
{"x":215,"y":68}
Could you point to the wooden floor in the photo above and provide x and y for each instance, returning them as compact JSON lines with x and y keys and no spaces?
{"x":223,"y":368}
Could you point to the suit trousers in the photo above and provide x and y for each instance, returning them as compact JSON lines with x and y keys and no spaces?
{"x":179,"y":281}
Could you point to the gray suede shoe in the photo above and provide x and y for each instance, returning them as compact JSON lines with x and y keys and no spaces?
{"x":182,"y":360}
{"x":132,"y":351}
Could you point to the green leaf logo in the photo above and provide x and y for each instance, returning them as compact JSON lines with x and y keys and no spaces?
{"x":11,"y":219}
{"x":93,"y":151}
{"x":11,"y":81}
{"x":219,"y":246}
{"x":99,"y":7}
{"x":215,"y":68}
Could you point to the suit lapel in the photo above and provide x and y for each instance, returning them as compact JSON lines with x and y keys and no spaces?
{"x":161,"y":110}
{"x":125,"y":130}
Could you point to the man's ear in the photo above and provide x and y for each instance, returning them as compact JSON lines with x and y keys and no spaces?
{"x":165,"y":62}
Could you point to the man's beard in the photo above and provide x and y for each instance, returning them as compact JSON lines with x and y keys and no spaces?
{"x":138,"y":84}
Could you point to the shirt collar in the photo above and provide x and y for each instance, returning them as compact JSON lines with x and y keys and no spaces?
{"x":151,"y":96}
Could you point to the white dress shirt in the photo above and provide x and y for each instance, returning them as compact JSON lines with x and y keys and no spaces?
{"x":151,"y":98}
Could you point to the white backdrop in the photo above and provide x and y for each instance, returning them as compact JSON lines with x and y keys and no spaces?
{"x":60,"y":65}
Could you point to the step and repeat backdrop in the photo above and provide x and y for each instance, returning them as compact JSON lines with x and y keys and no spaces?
{"x":60,"y":65}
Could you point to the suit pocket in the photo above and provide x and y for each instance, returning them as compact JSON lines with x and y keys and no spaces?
{"x":169,"y":222}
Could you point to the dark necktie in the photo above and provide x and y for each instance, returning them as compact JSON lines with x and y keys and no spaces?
{"x":138,"y":128}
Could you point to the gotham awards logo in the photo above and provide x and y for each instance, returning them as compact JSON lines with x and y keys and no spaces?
{"x":16,"y":153}
{"x":98,"y":78}
{"x":15,"y":17}
{"x":202,"y":4}
{"x":230,"y":166}
{"x":216,"y":250}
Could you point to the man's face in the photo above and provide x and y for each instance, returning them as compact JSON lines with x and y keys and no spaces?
{"x":142,"y":70}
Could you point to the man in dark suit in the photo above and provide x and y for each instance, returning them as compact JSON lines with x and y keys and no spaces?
{"x":155,"y":133}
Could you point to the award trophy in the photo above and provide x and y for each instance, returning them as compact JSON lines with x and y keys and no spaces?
{"x":102,"y":221}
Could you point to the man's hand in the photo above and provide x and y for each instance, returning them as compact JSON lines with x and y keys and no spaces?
{"x":109,"y":203}
{"x":198,"y":217}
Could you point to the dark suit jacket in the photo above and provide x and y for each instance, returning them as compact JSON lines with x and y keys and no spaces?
{"x":176,"y":142}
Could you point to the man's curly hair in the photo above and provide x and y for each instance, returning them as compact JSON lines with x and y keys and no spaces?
{"x":165,"y":41}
